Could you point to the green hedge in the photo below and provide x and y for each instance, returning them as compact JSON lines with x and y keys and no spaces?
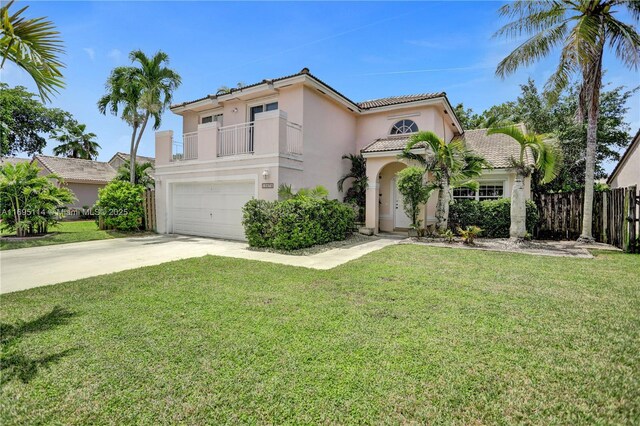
{"x":119,"y":205}
{"x":493,"y":216}
{"x":296,"y":223}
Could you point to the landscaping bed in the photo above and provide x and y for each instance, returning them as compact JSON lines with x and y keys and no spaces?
{"x":352,"y":240}
{"x":536,"y":247}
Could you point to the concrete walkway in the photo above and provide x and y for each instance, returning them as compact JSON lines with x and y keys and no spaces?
{"x":26,"y":268}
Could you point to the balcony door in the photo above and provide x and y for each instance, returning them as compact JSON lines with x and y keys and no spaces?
{"x":257,"y":109}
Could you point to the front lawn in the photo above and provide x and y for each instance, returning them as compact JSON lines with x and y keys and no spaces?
{"x":407,"y":334}
{"x":65,"y":232}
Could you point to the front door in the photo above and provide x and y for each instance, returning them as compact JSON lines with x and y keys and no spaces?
{"x":400,"y":218}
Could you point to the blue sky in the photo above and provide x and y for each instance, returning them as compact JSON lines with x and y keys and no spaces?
{"x":364,"y":50}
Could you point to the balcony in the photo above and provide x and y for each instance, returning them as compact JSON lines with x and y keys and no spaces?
{"x":270,"y":133}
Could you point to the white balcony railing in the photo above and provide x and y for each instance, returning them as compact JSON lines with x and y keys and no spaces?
{"x":187,"y":149}
{"x":294,"y":138}
{"x":236,"y":139}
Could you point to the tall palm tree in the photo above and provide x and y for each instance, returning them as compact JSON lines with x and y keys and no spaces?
{"x":357,"y":193}
{"x":75,"y":143}
{"x":34,"y":45}
{"x":544,"y":160}
{"x":139,"y":93}
{"x":582,"y":29}
{"x":142,"y":173}
{"x":451,"y":164}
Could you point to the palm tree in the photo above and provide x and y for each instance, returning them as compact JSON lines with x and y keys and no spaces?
{"x":357,"y":193}
{"x":33,"y":45}
{"x":142,"y":173}
{"x":582,"y":28}
{"x":75,"y":143}
{"x":138,"y":94}
{"x":451,"y":164}
{"x":544,"y":160}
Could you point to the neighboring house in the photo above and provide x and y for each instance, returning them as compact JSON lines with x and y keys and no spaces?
{"x":13,"y":160}
{"x":119,"y":158}
{"x":627,"y":171}
{"x":293,"y":130}
{"x":83,"y":177}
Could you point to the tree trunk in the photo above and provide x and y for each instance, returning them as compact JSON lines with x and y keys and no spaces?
{"x":134,"y":151}
{"x":442,"y":207}
{"x":592,"y":80}
{"x":132,"y":154}
{"x":518,"y":229}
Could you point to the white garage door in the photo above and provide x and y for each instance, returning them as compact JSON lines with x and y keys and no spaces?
{"x":210,"y":209}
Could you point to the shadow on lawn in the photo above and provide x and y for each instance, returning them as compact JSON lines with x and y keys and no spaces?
{"x":14,"y":363}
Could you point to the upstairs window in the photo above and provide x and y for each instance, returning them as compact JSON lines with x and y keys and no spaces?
{"x":404,"y":126}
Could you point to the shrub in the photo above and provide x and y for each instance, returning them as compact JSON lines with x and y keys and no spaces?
{"x":119,"y":205}
{"x":469,"y":234}
{"x":297,"y":222}
{"x":257,"y":218}
{"x":29,"y":202}
{"x":493,"y":216}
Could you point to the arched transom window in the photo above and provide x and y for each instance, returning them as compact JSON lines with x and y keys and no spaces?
{"x":404,"y":126}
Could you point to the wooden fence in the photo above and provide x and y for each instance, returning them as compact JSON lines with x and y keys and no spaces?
{"x":149,"y":206}
{"x":616,"y":217}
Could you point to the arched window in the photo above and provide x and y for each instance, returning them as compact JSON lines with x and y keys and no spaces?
{"x":404,"y":126}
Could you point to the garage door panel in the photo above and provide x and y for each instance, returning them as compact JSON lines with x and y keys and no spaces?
{"x":210,"y":209}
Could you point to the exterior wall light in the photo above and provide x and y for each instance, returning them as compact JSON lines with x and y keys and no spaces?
{"x":265,"y":174}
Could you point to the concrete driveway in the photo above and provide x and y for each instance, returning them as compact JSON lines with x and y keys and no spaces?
{"x":26,"y":268}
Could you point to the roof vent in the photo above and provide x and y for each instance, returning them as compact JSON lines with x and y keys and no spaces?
{"x":304,"y":70}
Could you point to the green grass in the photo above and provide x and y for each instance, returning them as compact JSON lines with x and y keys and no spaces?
{"x":66,"y":232}
{"x":407,"y":334}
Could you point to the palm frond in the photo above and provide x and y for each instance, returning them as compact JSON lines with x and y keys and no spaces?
{"x":35,"y":46}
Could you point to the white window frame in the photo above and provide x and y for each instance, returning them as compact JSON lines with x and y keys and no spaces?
{"x":258,"y":102}
{"x":399,"y":119}
{"x":211,"y":114}
{"x":485,"y":183}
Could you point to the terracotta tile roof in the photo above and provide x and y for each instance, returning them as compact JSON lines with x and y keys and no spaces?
{"x":395,"y":100}
{"x":392,"y":143}
{"x":13,"y":160}
{"x":374,"y":103}
{"x":497,"y":149}
{"x":75,"y":169}
{"x":139,"y":158}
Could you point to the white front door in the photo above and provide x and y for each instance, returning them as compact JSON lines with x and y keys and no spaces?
{"x":400,"y":218}
{"x":211,"y":209}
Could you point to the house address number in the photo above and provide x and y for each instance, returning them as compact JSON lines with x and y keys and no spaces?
{"x":267,"y":185}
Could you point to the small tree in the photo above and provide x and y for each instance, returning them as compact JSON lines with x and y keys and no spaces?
{"x":357,"y":193}
{"x":142,"y":174}
{"x":28,"y":202}
{"x":414,"y":191}
{"x":119,"y":205}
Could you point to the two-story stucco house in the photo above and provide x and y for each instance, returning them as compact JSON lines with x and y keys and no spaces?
{"x":294,"y":130}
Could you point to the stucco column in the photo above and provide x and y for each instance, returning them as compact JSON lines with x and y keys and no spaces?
{"x":372,"y":209}
{"x":208,"y":141}
{"x":164,"y":139}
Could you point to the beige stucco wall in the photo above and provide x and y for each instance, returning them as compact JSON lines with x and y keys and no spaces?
{"x":628,"y":173}
{"x":86,"y":194}
{"x":378,"y":125}
{"x":329,"y":132}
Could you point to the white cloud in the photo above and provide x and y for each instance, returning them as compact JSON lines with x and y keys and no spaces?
{"x":115,"y":54}
{"x":90,"y":51}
